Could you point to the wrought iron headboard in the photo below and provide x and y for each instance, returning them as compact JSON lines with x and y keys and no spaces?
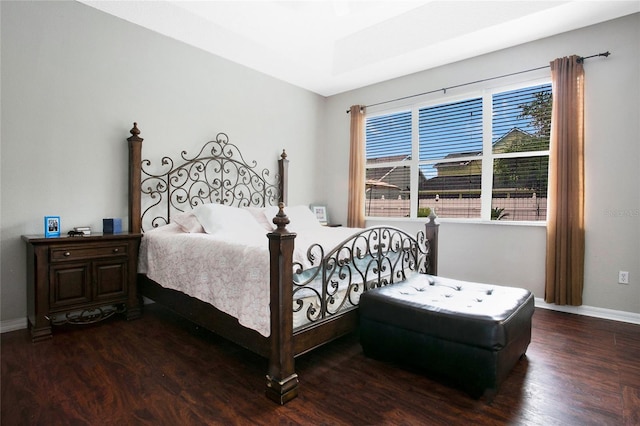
{"x":217,"y":174}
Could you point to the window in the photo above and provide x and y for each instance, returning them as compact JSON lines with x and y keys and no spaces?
{"x":483,"y":157}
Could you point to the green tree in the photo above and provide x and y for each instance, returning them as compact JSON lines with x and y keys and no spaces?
{"x":528,"y":173}
{"x":539,"y":111}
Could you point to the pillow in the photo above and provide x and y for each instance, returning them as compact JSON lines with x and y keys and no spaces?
{"x":269,"y":213}
{"x":258,"y":214}
{"x":300,"y":217}
{"x":220,"y":219}
{"x":188,"y":222}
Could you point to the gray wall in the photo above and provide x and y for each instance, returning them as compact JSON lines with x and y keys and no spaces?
{"x":511,"y":254}
{"x":74,"y":80}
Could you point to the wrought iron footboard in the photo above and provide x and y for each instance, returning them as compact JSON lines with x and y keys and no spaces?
{"x":374,"y":257}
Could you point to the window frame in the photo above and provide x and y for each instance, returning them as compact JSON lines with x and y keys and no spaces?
{"x":487,"y":157}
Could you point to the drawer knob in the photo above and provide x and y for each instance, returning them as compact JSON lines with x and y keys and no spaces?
{"x":67,"y":254}
{"x":115,"y":250}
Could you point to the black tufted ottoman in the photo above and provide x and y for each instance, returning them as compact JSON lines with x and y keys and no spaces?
{"x":467,"y":333}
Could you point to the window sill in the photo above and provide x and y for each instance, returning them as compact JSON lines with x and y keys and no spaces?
{"x":460,"y":221}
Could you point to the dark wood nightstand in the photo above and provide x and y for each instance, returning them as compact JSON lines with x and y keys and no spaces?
{"x":80,"y":280}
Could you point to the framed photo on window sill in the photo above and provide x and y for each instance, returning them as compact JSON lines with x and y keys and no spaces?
{"x":321,"y":214}
{"x":51,"y":226}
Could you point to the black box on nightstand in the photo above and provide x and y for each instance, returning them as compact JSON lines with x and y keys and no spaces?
{"x":112,"y":226}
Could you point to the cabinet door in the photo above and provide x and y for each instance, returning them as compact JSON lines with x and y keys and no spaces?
{"x":110,"y":278}
{"x":69,"y":284}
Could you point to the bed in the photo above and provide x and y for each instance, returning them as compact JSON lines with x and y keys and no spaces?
{"x":279,"y":286}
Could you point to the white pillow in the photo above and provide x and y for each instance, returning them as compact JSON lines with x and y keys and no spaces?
{"x":258,"y":214}
{"x":269,"y":213}
{"x":220,"y":219}
{"x":187,"y":222}
{"x":300,"y":217}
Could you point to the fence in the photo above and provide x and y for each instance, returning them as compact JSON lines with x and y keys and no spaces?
{"x":515,"y":209}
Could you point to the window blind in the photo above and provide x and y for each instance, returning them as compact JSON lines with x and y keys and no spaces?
{"x":388,"y":137}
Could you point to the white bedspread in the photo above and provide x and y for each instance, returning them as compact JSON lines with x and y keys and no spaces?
{"x":231,"y":274}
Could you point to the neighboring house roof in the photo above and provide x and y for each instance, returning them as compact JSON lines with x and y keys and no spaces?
{"x":452,"y":183}
{"x":508,"y":137}
{"x":388,"y":159}
{"x":399,"y":176}
{"x":439,"y":166}
{"x":504,"y":140}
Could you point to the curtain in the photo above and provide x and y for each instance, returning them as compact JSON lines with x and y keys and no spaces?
{"x":565,"y":212}
{"x":355,"y":210}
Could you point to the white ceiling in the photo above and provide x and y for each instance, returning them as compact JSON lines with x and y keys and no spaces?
{"x":331,"y":46}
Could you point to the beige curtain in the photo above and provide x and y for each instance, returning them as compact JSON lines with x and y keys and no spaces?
{"x":565,"y":212}
{"x":355,"y":211}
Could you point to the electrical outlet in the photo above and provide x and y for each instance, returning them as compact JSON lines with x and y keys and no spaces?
{"x":623,"y":277}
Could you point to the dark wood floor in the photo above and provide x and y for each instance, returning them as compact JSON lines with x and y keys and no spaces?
{"x":160,"y":370}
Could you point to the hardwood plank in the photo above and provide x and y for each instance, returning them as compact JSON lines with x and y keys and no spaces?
{"x":631,"y":404}
{"x":163,"y":370}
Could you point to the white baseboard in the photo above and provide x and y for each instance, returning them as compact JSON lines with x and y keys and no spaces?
{"x":591,"y":311}
{"x":13,"y":325}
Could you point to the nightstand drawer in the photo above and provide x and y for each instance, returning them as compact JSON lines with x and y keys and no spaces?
{"x":58,"y":254}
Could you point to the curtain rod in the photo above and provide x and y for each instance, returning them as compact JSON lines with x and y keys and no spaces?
{"x":444,"y":89}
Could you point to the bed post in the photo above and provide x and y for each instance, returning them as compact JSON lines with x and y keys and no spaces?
{"x":283,"y":171}
{"x":282,"y":380}
{"x":431,"y":232}
{"x":135,"y":175}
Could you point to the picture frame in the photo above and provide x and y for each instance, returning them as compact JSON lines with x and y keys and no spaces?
{"x":321,"y":214}
{"x":51,"y":226}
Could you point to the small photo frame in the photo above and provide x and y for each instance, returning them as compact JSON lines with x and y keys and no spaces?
{"x":51,"y":226}
{"x":321,"y":214}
